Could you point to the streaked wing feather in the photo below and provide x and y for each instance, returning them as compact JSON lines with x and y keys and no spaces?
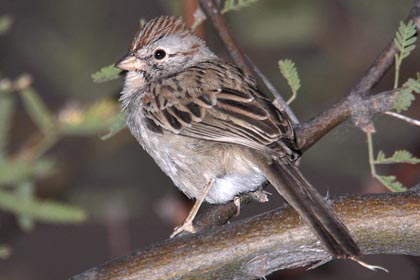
{"x":228,"y":110}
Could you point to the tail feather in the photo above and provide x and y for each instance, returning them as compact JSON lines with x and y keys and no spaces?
{"x":307,"y":201}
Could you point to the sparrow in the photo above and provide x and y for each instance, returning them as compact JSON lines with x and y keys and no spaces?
{"x":213,"y":132}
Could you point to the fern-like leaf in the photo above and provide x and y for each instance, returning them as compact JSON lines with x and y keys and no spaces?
{"x":37,"y":110}
{"x":405,"y":39}
{"x":46,"y":211}
{"x":7,"y":104}
{"x":405,"y":96}
{"x":13,"y":172}
{"x":105,"y":74}
{"x":391,"y":183}
{"x":25,"y":192}
{"x":289,"y":72}
{"x":117,"y":125}
{"x":401,"y":156}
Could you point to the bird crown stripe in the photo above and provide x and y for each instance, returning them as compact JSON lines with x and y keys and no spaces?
{"x":158,"y":28}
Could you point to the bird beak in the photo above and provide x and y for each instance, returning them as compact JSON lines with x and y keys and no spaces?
{"x":130,"y":63}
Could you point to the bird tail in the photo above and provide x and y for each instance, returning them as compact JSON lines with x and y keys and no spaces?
{"x":302,"y":196}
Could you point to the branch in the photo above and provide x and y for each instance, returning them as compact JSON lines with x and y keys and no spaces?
{"x":384,"y":223}
{"x":212,"y":11}
{"x":313,"y":130}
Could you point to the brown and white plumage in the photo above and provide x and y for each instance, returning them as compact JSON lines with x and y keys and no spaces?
{"x":204,"y":120}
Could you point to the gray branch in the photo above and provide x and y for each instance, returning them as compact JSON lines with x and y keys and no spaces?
{"x":385,"y":223}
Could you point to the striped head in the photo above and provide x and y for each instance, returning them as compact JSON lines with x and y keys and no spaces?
{"x":165,"y":46}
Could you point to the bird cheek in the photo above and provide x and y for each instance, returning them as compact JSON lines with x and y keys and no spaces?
{"x":140,"y":65}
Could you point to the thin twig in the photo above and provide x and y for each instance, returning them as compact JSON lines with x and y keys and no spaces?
{"x":212,"y":11}
{"x":404,"y":118}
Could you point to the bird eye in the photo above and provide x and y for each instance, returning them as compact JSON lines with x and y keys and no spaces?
{"x":159,"y":54}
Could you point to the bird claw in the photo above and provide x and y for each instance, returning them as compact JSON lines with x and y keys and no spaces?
{"x":237,"y":202}
{"x":186,"y":226}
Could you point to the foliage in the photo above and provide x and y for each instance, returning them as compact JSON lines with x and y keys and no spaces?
{"x":236,"y":5}
{"x":105,"y":74}
{"x":19,"y":171}
{"x":46,"y":211}
{"x":5,"y":24}
{"x":37,"y":109}
{"x":405,"y":39}
{"x":5,"y":252}
{"x":400,"y":156}
{"x":391,"y":183}
{"x":405,"y":96}
{"x":289,"y":72}
{"x":117,"y":125}
{"x":229,"y":5}
{"x":91,"y":120}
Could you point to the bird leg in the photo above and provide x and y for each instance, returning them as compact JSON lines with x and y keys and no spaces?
{"x":187,"y":225}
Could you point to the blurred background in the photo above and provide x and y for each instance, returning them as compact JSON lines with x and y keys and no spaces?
{"x":129,"y":203}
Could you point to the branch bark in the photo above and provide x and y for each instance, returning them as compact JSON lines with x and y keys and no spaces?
{"x":385,"y":223}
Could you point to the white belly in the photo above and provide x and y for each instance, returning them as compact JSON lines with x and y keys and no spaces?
{"x":191,"y":171}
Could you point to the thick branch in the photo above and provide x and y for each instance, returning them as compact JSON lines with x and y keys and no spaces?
{"x":248,"y":249}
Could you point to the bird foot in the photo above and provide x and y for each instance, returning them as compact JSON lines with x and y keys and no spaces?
{"x":186,"y":226}
{"x":260,"y":195}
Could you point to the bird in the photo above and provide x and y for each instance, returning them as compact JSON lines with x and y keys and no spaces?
{"x":207,"y":125}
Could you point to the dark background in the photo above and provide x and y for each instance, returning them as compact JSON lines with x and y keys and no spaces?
{"x":130,"y":202}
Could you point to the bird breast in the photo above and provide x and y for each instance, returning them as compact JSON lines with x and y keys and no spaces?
{"x":192,"y":163}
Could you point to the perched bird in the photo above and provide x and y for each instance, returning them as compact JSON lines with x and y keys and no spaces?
{"x":210,"y":129}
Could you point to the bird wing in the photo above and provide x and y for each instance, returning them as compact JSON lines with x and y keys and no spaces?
{"x":216,"y":101}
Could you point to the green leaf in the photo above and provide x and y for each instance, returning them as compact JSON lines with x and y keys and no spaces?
{"x":37,"y":110}
{"x":6,"y":109}
{"x":105,"y":74}
{"x":5,"y":24}
{"x":236,"y":5}
{"x":400,"y":156}
{"x":391,"y":183}
{"x":403,"y":100}
{"x":13,"y":172}
{"x":289,"y":72}
{"x":25,"y":192}
{"x":45,"y":211}
{"x":412,"y":84}
{"x":5,"y":252}
{"x":405,"y":96}
{"x":405,"y":39}
{"x":116,"y":126}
